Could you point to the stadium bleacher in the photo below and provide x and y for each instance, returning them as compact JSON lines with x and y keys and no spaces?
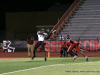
{"x":84,"y":24}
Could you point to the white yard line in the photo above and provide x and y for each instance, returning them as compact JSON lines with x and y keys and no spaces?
{"x":43,"y":66}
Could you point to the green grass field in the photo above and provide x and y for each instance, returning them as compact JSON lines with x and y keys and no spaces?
{"x":53,"y":66}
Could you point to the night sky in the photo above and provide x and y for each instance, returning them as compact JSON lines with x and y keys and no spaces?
{"x":26,"y":6}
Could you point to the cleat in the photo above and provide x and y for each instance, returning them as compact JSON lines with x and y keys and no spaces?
{"x":86,"y":58}
{"x":32,"y":57}
{"x":45,"y":59}
{"x":74,"y":57}
{"x":35,"y":56}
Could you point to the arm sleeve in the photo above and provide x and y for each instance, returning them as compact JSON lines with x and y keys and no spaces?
{"x":45,"y":34}
{"x":38,"y":32}
{"x":71,"y":41}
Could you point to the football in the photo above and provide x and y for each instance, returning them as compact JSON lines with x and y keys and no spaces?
{"x":54,"y":31}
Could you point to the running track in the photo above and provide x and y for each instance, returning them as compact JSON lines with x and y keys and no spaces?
{"x":4,"y":55}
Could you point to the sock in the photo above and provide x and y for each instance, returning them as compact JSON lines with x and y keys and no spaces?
{"x":75,"y":56}
{"x":34,"y":53}
{"x":86,"y":57}
{"x":45,"y":59}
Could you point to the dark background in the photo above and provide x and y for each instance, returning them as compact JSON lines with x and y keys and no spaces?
{"x":26,"y":6}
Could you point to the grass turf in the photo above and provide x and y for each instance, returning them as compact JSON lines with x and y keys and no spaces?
{"x":54,"y":66}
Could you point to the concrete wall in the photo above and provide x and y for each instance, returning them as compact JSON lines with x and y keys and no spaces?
{"x":27,"y":22}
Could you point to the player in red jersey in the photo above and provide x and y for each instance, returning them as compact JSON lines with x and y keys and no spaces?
{"x":74,"y":45}
{"x":66,"y":45}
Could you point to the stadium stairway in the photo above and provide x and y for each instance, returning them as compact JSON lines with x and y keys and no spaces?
{"x":84,"y":24}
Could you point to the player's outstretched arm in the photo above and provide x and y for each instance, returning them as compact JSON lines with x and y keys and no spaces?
{"x":40,"y":33}
{"x":71,"y":41}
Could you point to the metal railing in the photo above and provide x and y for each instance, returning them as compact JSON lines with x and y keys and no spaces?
{"x":65,"y":17}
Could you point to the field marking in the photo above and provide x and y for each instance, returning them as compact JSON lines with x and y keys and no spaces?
{"x":43,"y":67}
